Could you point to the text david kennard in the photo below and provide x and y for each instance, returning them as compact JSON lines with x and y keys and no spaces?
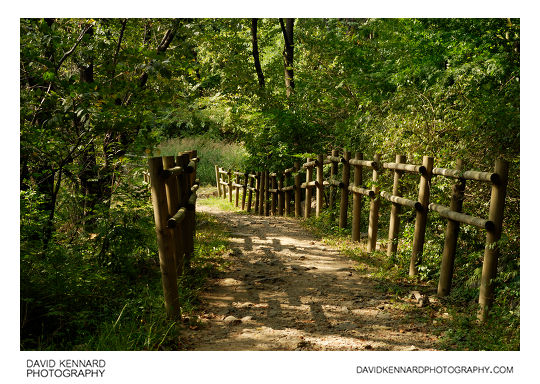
{"x":65,"y":368}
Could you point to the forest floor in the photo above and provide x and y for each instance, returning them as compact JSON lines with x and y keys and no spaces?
{"x":286,"y":290}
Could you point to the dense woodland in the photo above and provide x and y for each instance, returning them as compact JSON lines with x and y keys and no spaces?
{"x":99,"y":95}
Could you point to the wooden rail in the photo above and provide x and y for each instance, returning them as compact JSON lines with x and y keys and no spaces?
{"x":174,"y":187}
{"x":276,"y":191}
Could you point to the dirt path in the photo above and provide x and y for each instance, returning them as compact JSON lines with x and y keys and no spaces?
{"x":287,"y":291}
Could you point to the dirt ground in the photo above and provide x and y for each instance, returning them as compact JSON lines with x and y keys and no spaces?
{"x":287,"y":291}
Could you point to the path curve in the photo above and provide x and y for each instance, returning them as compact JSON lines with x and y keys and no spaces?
{"x":285,"y":290}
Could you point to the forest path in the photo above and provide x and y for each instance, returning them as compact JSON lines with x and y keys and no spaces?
{"x":285,"y":290}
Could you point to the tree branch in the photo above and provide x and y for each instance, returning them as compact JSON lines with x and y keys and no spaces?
{"x":68,"y":53}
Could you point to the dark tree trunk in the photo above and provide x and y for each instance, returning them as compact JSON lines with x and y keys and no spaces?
{"x":287,"y":29}
{"x":255,"y":51}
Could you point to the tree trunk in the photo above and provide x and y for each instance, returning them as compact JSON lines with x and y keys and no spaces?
{"x":255,"y":51}
{"x":287,"y":29}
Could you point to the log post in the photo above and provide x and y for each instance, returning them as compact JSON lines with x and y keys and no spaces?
{"x":172,"y":189}
{"x":307,"y":202}
{"x":357,"y":199}
{"x":393,"y":230}
{"x":217,"y":181}
{"x":451,"y":237}
{"x":332,"y":192}
{"x":164,"y":239}
{"x":297,"y":193}
{"x":193,"y":155}
{"x":257,"y":191}
{"x":491,"y":252}
{"x":344,"y":202}
{"x":188,"y":225}
{"x":261,"y":193}
{"x":230,"y":181}
{"x":265,"y":193}
{"x":286,"y":195}
{"x":273,"y":202}
{"x":236,"y":190}
{"x":280,"y":195}
{"x":421,"y":216}
{"x":320,"y":185}
{"x":374,"y":208}
{"x":244,"y":190}
{"x":250,"y":193}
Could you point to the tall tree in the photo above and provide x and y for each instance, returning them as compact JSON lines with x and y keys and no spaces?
{"x":255,"y":52}
{"x":287,"y":27}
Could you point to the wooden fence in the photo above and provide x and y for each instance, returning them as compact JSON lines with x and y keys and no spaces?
{"x":276,"y":192}
{"x":174,"y":187}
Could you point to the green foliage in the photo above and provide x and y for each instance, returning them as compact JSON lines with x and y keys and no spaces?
{"x":211,"y":151}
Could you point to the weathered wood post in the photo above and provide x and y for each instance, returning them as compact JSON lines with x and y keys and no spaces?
{"x":286,"y":195}
{"x":261,"y":192}
{"x":297,"y":192}
{"x":332,"y":191}
{"x":164,"y":238}
{"x":244,"y":190}
{"x":344,"y":202}
{"x":307,"y":202}
{"x":266,"y":196}
{"x":250,"y":192}
{"x":189,"y":221}
{"x":257,"y":191}
{"x":492,"y":250}
{"x":217,"y":181}
{"x":172,"y":189}
{"x":280,"y":194}
{"x":357,"y":199}
{"x":182,"y":160}
{"x":451,"y":237}
{"x":393,"y":230}
{"x":273,"y":194}
{"x":230,"y":181}
{"x":320,"y":185}
{"x":236,"y":189}
{"x":421,"y":216}
{"x":374,"y":208}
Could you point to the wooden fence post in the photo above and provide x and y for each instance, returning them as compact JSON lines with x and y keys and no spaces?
{"x":344,"y":202}
{"x":297,"y":193}
{"x":230,"y":181}
{"x":320,"y":185}
{"x":250,"y":192}
{"x":280,"y":194}
{"x":393,"y":230}
{"x":451,"y":237}
{"x":374,"y":208}
{"x":189,"y":221}
{"x":236,"y":190}
{"x":244,"y":190}
{"x":266,"y":196}
{"x":261,"y":193}
{"x":273,"y":195}
{"x":164,"y":239}
{"x":172,"y":189}
{"x":286,"y":195}
{"x":491,"y":252}
{"x":332,"y":191}
{"x":421,"y":216}
{"x":357,"y":199}
{"x":257,"y":191}
{"x":307,"y":202}
{"x":217,"y":182}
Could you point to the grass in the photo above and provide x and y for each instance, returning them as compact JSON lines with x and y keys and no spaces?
{"x":211,"y":152}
